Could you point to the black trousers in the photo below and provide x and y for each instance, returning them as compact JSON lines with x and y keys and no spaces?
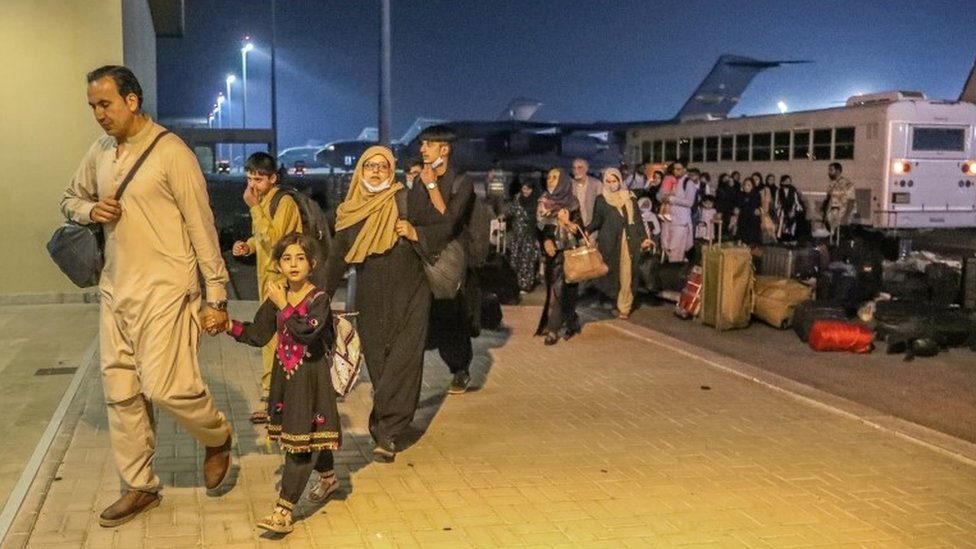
{"x":450,"y":331}
{"x":298,"y":468}
{"x":561,"y":299}
{"x":395,"y":362}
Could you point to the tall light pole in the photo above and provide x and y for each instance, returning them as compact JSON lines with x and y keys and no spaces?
{"x":274,"y":99}
{"x":230,"y":118}
{"x":248,"y":46}
{"x":385,"y":54}
{"x":220,"y":116}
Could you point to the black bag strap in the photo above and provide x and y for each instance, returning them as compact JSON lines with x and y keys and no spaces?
{"x":283,"y":191}
{"x":138,"y":164}
{"x":400,"y":198}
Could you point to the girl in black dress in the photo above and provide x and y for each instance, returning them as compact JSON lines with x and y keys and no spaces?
{"x":302,"y":411}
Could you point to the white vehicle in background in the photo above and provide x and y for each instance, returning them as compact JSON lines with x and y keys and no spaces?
{"x":912,"y":159}
{"x":298,"y":160}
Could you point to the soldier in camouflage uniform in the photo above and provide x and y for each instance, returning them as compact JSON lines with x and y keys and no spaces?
{"x":839,"y":206}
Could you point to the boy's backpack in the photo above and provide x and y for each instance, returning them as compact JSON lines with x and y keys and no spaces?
{"x":314,"y":221}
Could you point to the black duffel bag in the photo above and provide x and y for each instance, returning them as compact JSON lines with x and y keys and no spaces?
{"x":78,"y":250}
{"x":808,"y":312}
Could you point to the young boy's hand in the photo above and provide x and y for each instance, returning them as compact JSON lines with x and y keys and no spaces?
{"x":241,"y":249}
{"x":251,"y":198}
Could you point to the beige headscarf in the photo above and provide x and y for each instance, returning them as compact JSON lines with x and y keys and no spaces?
{"x":621,"y":198}
{"x":379,"y":209}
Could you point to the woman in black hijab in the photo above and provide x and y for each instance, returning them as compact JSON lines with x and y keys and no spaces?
{"x":559,"y":222}
{"x":748,"y":211}
{"x":523,"y":237}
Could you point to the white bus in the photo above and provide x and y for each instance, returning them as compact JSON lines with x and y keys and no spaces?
{"x":912,"y":159}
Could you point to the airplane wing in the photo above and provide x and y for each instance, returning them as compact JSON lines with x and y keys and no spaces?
{"x":720,"y":91}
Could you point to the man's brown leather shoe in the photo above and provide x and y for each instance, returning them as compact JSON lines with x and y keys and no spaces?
{"x":216,"y":464}
{"x":127,"y":507}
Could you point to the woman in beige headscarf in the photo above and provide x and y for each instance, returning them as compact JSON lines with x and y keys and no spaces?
{"x":622,"y":237}
{"x":376,"y":238}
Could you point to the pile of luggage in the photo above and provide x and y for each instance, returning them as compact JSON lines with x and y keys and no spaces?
{"x":841,"y":298}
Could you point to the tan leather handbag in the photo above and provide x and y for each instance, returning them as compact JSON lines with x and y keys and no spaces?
{"x":583,"y":263}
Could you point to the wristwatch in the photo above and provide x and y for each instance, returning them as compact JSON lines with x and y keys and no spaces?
{"x":432,"y":185}
{"x":218,"y":305}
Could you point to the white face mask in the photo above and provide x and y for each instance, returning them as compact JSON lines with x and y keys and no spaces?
{"x":377,"y":188}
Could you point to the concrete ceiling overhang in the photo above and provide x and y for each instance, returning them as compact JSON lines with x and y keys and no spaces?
{"x":168,"y":17}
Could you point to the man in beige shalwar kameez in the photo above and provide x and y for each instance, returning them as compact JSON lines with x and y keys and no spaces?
{"x":156,"y":237}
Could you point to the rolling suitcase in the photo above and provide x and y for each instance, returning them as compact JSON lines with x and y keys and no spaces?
{"x":727,"y":279}
{"x":491,"y":311}
{"x":808,"y":312}
{"x":498,"y":277}
{"x":789,"y":261}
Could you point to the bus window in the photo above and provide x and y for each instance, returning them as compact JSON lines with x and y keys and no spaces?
{"x":801,"y":144}
{"x":760,"y":146}
{"x":938,"y":139}
{"x":645,"y":151}
{"x":658,"y":155}
{"x":844,"y":143}
{"x":698,"y":149}
{"x":727,"y":148}
{"x":711,"y":149}
{"x":684,"y":148}
{"x":742,"y":147}
{"x":781,"y":146}
{"x":821,"y":144}
{"x":670,"y":150}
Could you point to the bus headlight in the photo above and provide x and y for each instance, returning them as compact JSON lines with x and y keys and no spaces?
{"x":901,"y":166}
{"x":969,"y":168}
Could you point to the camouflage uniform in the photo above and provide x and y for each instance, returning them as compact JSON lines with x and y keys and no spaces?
{"x":840,"y":199}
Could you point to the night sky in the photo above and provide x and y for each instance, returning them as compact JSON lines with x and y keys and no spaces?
{"x":584,"y":60}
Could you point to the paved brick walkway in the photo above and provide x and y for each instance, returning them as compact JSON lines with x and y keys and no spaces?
{"x":613,"y":439}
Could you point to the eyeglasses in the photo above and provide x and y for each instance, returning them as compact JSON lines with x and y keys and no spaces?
{"x":380,"y":166}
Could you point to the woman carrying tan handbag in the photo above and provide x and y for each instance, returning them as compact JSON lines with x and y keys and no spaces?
{"x":559,"y":220}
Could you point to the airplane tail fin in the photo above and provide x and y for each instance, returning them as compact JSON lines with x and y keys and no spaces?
{"x":719,"y":92}
{"x":520,"y":108}
{"x":968,"y":93}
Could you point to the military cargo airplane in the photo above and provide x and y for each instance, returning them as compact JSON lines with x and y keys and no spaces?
{"x":516,"y":143}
